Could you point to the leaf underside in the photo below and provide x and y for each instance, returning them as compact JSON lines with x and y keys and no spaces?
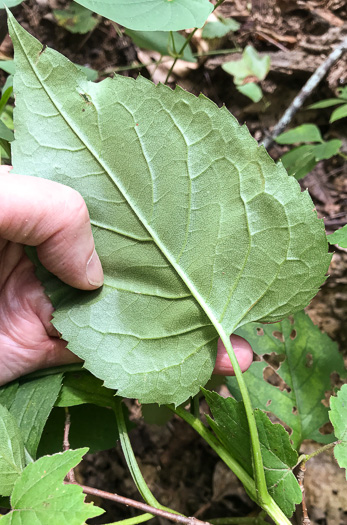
{"x":198,"y":230}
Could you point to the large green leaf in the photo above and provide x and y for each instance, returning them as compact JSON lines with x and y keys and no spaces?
{"x":40,"y":497}
{"x":153,"y":15}
{"x":197,"y":229}
{"x":338,"y":418}
{"x":230,"y":425}
{"x":307,"y":358}
{"x":11,"y":452}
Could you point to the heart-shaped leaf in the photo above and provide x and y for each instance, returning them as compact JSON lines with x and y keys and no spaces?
{"x":198,"y":231}
{"x":152,"y":15}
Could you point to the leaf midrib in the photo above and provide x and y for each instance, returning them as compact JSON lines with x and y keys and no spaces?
{"x":138,"y":214}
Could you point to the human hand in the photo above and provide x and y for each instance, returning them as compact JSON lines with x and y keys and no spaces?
{"x":38,"y":212}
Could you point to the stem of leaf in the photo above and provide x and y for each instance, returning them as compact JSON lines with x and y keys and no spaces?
{"x":179,"y":55}
{"x":305,"y":457}
{"x":135,"y":520}
{"x":4,"y":99}
{"x":190,"y":36}
{"x":256,"y":520}
{"x":130,"y":456}
{"x":173,"y":44}
{"x":271,"y":507}
{"x":131,"y":459}
{"x":258,"y":467}
{"x":195,"y":406}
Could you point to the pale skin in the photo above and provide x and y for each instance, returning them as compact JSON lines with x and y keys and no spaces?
{"x":37,"y":212}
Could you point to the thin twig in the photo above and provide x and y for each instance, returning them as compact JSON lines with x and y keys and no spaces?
{"x":66,"y":443}
{"x":301,"y":476}
{"x":307,"y":89}
{"x":178,"y":518}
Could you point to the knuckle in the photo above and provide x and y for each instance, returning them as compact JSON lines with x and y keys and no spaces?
{"x":75,"y":208}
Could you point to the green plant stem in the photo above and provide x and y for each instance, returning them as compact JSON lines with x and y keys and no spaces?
{"x":130,"y":456}
{"x":173,"y":44}
{"x":4,"y":98}
{"x":131,"y":460}
{"x":258,"y":467}
{"x":133,"y":521}
{"x":214,"y":52}
{"x":270,"y":507}
{"x":218,"y":4}
{"x":195,"y":406}
{"x":190,"y":36}
{"x":179,"y":55}
{"x":305,"y":457}
{"x":343,"y":155}
{"x":6,"y":147}
{"x":257,"y":520}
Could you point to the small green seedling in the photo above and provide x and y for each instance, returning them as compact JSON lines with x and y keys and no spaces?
{"x":248,"y":72}
{"x":219,"y":28}
{"x":76,"y":18}
{"x":341,"y":101}
{"x":302,"y":159}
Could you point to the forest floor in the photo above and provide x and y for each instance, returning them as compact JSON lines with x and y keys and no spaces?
{"x":182,"y":471}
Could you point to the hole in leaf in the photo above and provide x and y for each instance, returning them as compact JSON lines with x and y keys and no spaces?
{"x":260,"y":331}
{"x":268,"y":403}
{"x":274,"y":359}
{"x":327,"y":428}
{"x":293,"y":334}
{"x":295,"y":411}
{"x":335,"y":380}
{"x":278,"y":335}
{"x":85,"y":98}
{"x":271,"y":376}
{"x":291,"y":319}
{"x":309,"y":360}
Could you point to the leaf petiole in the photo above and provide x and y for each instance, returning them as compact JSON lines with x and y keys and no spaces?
{"x":271,"y":507}
{"x":258,"y":468}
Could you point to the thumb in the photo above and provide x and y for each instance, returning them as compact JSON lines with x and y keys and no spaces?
{"x":53,"y":217}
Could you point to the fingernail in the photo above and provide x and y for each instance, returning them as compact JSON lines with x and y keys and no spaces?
{"x":95,"y":275}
